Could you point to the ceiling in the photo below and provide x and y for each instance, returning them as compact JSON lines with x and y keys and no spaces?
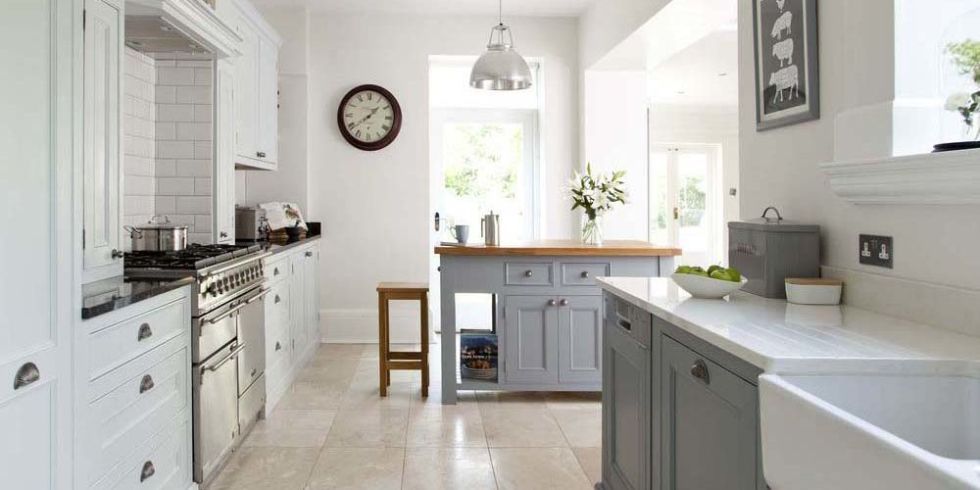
{"x":536,"y":8}
{"x":704,"y":73}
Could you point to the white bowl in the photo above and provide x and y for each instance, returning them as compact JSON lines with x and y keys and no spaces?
{"x":813,"y":291}
{"x":706,"y":287}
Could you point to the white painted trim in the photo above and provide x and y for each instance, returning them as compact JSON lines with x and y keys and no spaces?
{"x":199,"y":22}
{"x":360,"y":326}
{"x":931,"y":178}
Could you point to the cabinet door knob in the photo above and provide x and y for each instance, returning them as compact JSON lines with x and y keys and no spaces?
{"x":117,"y":254}
{"x":528,"y":273}
{"x":144,"y":333}
{"x":223,"y":234}
{"x":275,"y":271}
{"x":700,"y":371}
{"x":148,"y":471}
{"x":552,"y":302}
{"x":563,"y":302}
{"x":260,"y":154}
{"x":278,"y":346}
{"x":146,"y":384}
{"x":27,"y":374}
{"x":309,"y":253}
{"x":278,"y":299}
{"x":585,"y":274}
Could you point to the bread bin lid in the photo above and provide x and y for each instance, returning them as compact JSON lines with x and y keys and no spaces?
{"x":773,"y":224}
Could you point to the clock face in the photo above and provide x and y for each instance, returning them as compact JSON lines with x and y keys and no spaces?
{"x":369,"y":117}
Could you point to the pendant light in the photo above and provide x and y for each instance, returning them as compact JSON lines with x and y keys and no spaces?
{"x":501,"y":67}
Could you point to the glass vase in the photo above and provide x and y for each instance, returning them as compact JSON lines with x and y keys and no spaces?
{"x":591,"y":230}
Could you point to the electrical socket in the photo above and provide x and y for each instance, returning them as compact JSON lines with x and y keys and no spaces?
{"x":876,"y":250}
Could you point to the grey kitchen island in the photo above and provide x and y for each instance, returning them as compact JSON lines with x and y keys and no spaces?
{"x":547,"y":308}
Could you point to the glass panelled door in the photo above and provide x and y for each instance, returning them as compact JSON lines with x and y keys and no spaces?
{"x":684,"y":209}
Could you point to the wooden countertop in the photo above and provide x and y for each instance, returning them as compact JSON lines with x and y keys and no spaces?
{"x":609,"y":248}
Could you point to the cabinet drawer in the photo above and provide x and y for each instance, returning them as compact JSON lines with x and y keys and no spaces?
{"x":276,"y":268}
{"x":528,"y":274}
{"x":277,"y":304}
{"x":582,"y":274}
{"x":147,"y":401}
{"x":628,"y":319}
{"x":164,"y":462}
{"x":117,"y":344}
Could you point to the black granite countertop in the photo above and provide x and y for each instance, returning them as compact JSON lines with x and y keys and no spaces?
{"x":275,"y":248}
{"x":101,"y":297}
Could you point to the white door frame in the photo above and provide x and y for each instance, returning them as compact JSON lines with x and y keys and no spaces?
{"x":713,"y":204}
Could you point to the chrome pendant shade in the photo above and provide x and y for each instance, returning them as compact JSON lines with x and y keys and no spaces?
{"x":501,"y":67}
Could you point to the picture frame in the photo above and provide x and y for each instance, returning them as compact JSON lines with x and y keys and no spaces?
{"x":787,"y":59}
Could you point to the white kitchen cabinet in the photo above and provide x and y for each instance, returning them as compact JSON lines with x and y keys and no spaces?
{"x":38,"y":137}
{"x":257,"y":87}
{"x":224,"y":153}
{"x":101,"y":146}
{"x":292,"y":316}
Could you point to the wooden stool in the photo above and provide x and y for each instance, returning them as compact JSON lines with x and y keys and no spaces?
{"x":388,"y":360}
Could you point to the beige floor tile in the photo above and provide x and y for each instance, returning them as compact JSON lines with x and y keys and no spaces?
{"x":522,"y":427}
{"x":446,"y":426}
{"x":582,"y":426}
{"x":448,"y":468}
{"x":358,"y":468}
{"x":335,"y":352}
{"x":538,"y":468}
{"x":561,"y":400}
{"x":329,"y":372}
{"x":312,"y":396}
{"x":365,"y":396}
{"x":511,"y":399}
{"x":369,"y":428}
{"x":262,"y":468}
{"x":590,"y":458}
{"x":292,"y":428}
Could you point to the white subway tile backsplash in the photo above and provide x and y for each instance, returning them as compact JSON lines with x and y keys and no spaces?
{"x":175,"y":75}
{"x":202,"y":187}
{"x":166,"y":131}
{"x":175,"y":112}
{"x":202,"y":76}
{"x":138,"y":166}
{"x":141,"y":185}
{"x":175,"y":186}
{"x":166,"y":94}
{"x":202,"y":150}
{"x":194,"y":63}
{"x":166,"y":168}
{"x":202,"y":238}
{"x":202,"y":224}
{"x":198,"y":94}
{"x":202,"y":113}
{"x":139,"y":205}
{"x":175,"y":149}
{"x":139,"y":181}
{"x":194,"y":205}
{"x":165,"y":204}
{"x":193,"y":131}
{"x":194,"y":168}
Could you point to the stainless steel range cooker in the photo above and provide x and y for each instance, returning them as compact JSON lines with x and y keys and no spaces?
{"x":228,"y":341}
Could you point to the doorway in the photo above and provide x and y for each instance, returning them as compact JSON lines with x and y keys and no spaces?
{"x":684,"y":207}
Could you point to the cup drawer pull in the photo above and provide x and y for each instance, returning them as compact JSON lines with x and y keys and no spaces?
{"x":148,"y":471}
{"x":700,"y":371}
{"x":26,"y":375}
{"x":144,"y":333}
{"x":146,"y":384}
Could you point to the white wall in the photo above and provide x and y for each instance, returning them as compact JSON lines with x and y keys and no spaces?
{"x":716,"y":125}
{"x":934,"y":279}
{"x":375,"y":205}
{"x":615,"y":114}
{"x":608,"y":22}
{"x":139,"y":146}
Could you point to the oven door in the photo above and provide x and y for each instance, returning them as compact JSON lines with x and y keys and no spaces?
{"x":251,"y":332}
{"x":214,"y":330}
{"x":215,"y":410}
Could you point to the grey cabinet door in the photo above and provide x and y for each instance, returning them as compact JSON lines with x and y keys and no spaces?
{"x":531,"y":334}
{"x":626,"y":411}
{"x":710,"y":424}
{"x":579,"y":339}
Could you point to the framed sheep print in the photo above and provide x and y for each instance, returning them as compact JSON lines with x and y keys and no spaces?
{"x":787,"y":80}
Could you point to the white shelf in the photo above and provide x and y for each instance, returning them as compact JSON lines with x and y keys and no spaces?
{"x":933,"y":178}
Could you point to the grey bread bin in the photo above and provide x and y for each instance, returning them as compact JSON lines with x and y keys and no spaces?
{"x":767,"y":250}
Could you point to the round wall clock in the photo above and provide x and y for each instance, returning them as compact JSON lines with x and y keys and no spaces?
{"x":369,"y":117}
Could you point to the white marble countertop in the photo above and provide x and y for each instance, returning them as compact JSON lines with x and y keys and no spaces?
{"x":784,"y":338}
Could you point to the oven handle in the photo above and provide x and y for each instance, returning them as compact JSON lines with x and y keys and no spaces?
{"x":226,"y":314}
{"x":261,"y":294}
{"x":234,"y":353}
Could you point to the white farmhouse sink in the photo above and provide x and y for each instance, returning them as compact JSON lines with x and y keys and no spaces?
{"x":868,"y":432}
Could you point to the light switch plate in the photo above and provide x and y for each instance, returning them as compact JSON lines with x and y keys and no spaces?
{"x":876,"y":250}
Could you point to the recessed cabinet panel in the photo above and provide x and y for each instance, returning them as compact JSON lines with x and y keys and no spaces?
{"x":224,"y":154}
{"x":101,"y":135}
{"x":710,"y":426}
{"x":257,"y":87}
{"x":532,"y":339}
{"x":626,"y":412}
{"x":579,"y":339}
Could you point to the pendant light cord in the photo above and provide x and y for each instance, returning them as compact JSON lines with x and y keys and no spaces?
{"x":500,"y":12}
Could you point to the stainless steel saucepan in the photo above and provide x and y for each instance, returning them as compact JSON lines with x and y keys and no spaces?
{"x":158,"y":235}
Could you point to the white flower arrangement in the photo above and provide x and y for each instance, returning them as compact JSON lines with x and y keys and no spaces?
{"x":597,"y":194}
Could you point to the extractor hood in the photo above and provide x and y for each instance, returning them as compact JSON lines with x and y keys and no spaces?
{"x":178,"y":26}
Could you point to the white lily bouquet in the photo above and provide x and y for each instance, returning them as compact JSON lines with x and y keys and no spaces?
{"x":596,"y":194}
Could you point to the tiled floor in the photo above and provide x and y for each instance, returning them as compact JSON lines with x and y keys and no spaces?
{"x":332,"y":430}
